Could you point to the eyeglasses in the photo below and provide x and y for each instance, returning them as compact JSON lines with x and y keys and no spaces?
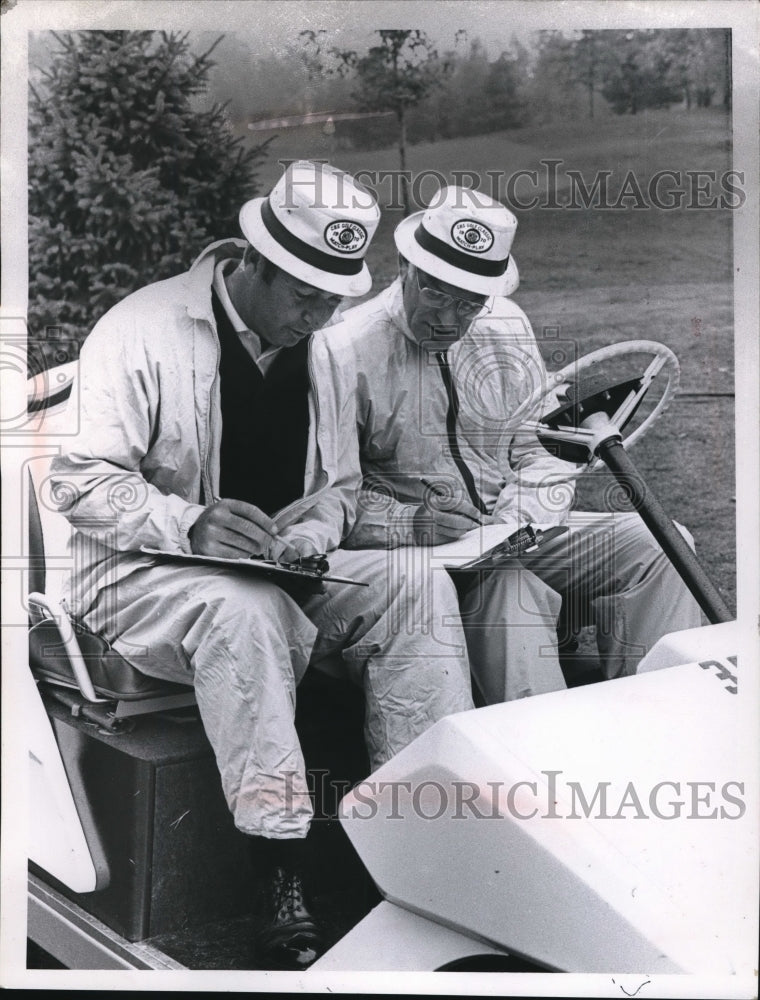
{"x":438,"y":299}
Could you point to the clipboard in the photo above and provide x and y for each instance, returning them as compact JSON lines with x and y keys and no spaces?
{"x":524,"y":540}
{"x":282,"y":573}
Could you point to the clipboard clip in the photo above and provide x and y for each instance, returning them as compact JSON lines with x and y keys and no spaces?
{"x":312,"y":565}
{"x":525,"y":539}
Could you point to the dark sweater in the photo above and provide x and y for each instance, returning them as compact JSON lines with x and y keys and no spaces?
{"x":265,"y":421}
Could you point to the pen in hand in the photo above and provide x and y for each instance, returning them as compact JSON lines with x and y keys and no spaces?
{"x":235,"y":529}
{"x":467,"y":510}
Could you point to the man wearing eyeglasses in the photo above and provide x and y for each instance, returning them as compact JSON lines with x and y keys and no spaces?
{"x":442,"y":360}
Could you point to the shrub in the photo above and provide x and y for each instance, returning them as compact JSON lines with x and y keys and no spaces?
{"x":127,"y":180}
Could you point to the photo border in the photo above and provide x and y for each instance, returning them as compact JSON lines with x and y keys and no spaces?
{"x":26,"y":15}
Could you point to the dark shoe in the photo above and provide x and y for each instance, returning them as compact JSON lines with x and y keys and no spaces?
{"x":289,"y":937}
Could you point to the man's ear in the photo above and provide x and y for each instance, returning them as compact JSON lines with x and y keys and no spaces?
{"x":249,"y":259}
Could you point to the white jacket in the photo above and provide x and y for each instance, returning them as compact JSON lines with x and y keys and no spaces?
{"x":141,"y":454}
{"x":402,"y":409}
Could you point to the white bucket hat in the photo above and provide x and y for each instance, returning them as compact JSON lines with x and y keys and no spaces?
{"x":463,"y":239}
{"x":316,"y":224}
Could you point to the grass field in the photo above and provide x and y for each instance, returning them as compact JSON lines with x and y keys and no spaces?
{"x":592,"y":276}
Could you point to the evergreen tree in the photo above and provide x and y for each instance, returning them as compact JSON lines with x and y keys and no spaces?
{"x":128,"y":181}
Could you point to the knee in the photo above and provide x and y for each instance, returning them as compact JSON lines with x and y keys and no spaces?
{"x":633,"y":545}
{"x":638,"y":535}
{"x":629,"y":529}
{"x":638,"y":558}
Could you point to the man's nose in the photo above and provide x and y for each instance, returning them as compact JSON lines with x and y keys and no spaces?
{"x":448,"y":314}
{"x":316,"y":313}
{"x":308,"y":315}
{"x":446,"y":320}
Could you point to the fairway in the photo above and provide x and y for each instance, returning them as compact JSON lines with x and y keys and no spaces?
{"x":593,"y":276}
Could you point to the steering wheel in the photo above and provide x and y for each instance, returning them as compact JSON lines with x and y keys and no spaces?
{"x":591,"y":406}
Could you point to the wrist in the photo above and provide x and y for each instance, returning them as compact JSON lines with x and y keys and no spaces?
{"x":186,"y":527}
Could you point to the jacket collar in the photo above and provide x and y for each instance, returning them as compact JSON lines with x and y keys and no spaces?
{"x":394,"y":305}
{"x":393,"y":297}
{"x":200,"y":277}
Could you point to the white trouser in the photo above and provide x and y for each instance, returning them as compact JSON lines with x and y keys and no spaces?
{"x":608,"y":571}
{"x":245,"y":644}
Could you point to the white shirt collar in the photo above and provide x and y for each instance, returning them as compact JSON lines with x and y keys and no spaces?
{"x":220,"y":287}
{"x":250,"y":340}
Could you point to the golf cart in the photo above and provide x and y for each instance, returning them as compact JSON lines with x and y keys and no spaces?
{"x":542,"y":834}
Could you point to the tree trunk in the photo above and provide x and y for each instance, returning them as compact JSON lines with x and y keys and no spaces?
{"x":402,"y":160}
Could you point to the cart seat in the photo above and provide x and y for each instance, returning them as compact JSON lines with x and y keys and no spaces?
{"x":112,"y":677}
{"x":63,"y":652}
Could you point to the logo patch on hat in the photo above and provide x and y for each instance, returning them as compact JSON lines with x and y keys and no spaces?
{"x":472,"y":236}
{"x":345,"y":236}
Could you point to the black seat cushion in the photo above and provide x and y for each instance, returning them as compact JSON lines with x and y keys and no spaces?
{"x":111,"y":675}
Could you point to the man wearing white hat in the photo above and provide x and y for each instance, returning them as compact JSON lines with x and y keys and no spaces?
{"x":201,"y":430}
{"x":442,"y":359}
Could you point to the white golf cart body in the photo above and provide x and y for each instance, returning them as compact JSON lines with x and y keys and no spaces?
{"x":617,"y":842}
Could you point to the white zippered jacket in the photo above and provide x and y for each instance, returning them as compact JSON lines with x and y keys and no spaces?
{"x":140,"y":455}
{"x":404,"y":415}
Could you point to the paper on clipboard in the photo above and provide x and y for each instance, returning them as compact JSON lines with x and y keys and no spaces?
{"x":279,"y":572}
{"x":477,"y":545}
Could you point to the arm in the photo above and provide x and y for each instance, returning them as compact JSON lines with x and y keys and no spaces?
{"x":382,"y":522}
{"x":332,"y":461}
{"x":98,"y":478}
{"x":535,"y":496}
{"x":385,"y":523}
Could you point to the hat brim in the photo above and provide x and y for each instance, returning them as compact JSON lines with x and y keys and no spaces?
{"x":408,"y":246}
{"x":254,"y":230}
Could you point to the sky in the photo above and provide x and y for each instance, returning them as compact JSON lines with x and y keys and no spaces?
{"x":348,"y":26}
{"x":268,"y":28}
{"x":271,"y":24}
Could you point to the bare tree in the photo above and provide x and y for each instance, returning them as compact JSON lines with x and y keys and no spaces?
{"x":395,"y":75}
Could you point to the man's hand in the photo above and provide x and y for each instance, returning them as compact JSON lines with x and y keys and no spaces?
{"x":236,"y":530}
{"x":300,"y":590}
{"x":434,"y":526}
{"x":303,"y":547}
